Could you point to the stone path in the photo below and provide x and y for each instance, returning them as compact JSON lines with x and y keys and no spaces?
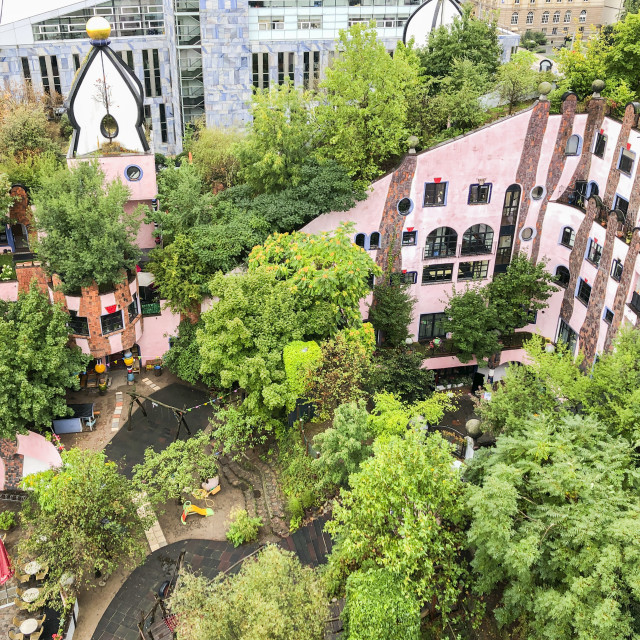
{"x":154,"y":533}
{"x":208,"y":557}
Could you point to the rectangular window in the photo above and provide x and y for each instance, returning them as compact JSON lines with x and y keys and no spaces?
{"x":567,"y":335}
{"x":600,"y":146}
{"x":584,"y":292}
{"x":311,"y":22}
{"x":431,"y":326}
{"x":78,"y":325}
{"x":406,"y":277}
{"x":616,"y":270}
{"x":310,"y":70}
{"x":608,"y":316}
{"x":286,"y":67}
{"x":151,"y":66}
{"x":437,"y":273}
{"x":480,"y":193}
{"x":595,"y":253}
{"x":76,"y":61}
{"x":622,"y":204}
{"x":127,"y":57}
{"x":163,"y":122}
{"x":625,"y":164}
{"x":435,"y":194}
{"x":554,"y":30}
{"x":26,"y":70}
{"x":473,"y":270}
{"x":409,"y":238}
{"x":260,"y":70}
{"x":503,"y":254}
{"x":133,"y":308}
{"x":111,"y":322}
{"x":50,"y":74}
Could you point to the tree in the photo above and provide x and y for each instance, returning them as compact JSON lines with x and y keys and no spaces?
{"x":37,"y":363}
{"x":520,"y":292}
{"x":392,"y":310}
{"x":215,"y":155}
{"x":473,"y":324}
{"x":377,"y":607}
{"x":363,"y":113}
{"x":555,"y":516}
{"x":6,"y":199}
{"x":86,"y":234}
{"x":183,"y":357}
{"x":272,"y":597}
{"x":178,"y":469}
{"x":24,"y":131}
{"x":281,"y":137}
{"x":342,"y":447}
{"x":517,"y":79}
{"x":82,"y":518}
{"x":404,"y":513}
{"x":583,"y":63}
{"x":623,"y":57}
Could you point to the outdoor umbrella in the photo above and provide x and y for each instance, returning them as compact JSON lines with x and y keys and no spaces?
{"x":5,"y":565}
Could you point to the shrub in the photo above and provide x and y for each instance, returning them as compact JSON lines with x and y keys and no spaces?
{"x":7,"y":519}
{"x":296,"y":513}
{"x":243,"y":529}
{"x":308,"y":498}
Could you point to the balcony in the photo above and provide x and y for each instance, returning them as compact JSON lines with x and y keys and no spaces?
{"x":436,"y":251}
{"x":577,"y":199}
{"x":634,"y":303}
{"x":436,"y":347}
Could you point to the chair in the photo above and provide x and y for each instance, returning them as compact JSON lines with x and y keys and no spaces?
{"x":24,"y":606}
{"x":15,"y":636}
{"x":23,"y":578}
{"x":41,"y":621}
{"x":19,"y":591}
{"x":16,"y":621}
{"x":42,"y":574}
{"x":36,"y":635}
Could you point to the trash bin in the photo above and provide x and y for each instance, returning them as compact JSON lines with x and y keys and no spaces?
{"x":130,"y":377}
{"x":158,"y":370}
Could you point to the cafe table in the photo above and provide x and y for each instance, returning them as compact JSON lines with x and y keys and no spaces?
{"x":31,"y":595}
{"x":28,"y":626}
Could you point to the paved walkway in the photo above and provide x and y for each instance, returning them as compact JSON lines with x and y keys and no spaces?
{"x":209,"y":557}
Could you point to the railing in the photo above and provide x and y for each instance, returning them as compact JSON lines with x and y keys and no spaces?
{"x":436,"y":347}
{"x":442,"y":250}
{"x":577,"y":199}
{"x":634,"y":304}
{"x":150,"y":308}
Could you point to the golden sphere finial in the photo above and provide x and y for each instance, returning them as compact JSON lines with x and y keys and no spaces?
{"x":98,"y":28}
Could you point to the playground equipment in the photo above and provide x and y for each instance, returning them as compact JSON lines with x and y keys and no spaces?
{"x":188,"y":509}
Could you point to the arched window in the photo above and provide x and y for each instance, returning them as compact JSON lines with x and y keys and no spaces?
{"x":361,"y":238}
{"x":441,"y":243}
{"x":583,"y":16}
{"x":514,"y":17}
{"x":567,"y":16}
{"x":374,"y":240}
{"x":511,"y":204}
{"x":477,"y":240}
{"x":562,"y":276}
{"x":529,"y":17}
{"x":545,"y":20}
{"x":573,"y":145}
{"x":556,"y":17}
{"x":594,"y":190}
{"x":568,"y":237}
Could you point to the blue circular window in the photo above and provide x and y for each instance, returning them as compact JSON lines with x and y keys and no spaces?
{"x":133,"y":173}
{"x":405,"y":206}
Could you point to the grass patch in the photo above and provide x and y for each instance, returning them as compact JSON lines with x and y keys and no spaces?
{"x":7,"y":271}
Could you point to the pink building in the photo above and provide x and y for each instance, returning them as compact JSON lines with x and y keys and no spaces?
{"x":561,"y":188}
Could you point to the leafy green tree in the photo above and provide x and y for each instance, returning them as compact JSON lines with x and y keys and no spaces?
{"x":81,"y":518}
{"x":363,"y":113}
{"x":392,"y":310}
{"x":399,"y":371}
{"x":24,"y":131}
{"x":6,"y":199}
{"x":215,"y":155}
{"x":178,"y":469}
{"x":377,"y":607}
{"x":37,"y":364}
{"x":468,"y":37}
{"x":583,"y":63}
{"x":517,"y":79}
{"x":623,"y":57}
{"x":86,"y":234}
{"x":280,"y":139}
{"x":343,"y":446}
{"x":272,"y":597}
{"x":30,"y":170}
{"x":520,"y":292}
{"x":555,"y":516}
{"x":404,"y":513}
{"x":183,"y":358}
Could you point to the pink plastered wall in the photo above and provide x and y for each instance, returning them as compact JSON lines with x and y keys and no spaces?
{"x":154,"y":341}
{"x":9,"y":290}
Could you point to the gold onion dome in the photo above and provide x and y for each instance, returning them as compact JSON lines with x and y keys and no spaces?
{"x":98,"y":28}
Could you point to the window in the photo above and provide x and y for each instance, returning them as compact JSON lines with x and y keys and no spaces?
{"x":409,"y":238}
{"x":595,"y":252}
{"x":109,"y":126}
{"x":133,"y":308}
{"x":567,"y":335}
{"x":133,"y":173}
{"x":584,"y":292}
{"x":537,"y":192}
{"x":567,"y":16}
{"x":437,"y":273}
{"x":545,"y":18}
{"x":594,"y":189}
{"x":313,"y":22}
{"x":408,"y":277}
{"x":260,"y":70}
{"x":529,"y":19}
{"x":431,"y":326}
{"x":477,"y":240}
{"x":26,"y":71}
{"x":625,"y":164}
{"x":78,"y":325}
{"x":310,"y":69}
{"x":473,"y":270}
{"x":361,"y":238}
{"x":151,"y":66}
{"x":405,"y":206}
{"x":616,"y":270}
{"x":480,"y":193}
{"x":608,"y":315}
{"x":50,"y":74}
{"x":441,"y":243}
{"x":622,"y":204}
{"x":511,"y":204}
{"x":514,"y":17}
{"x":111,"y":322}
{"x":127,"y":57}
{"x":600,"y":146}
{"x":556,"y":17}
{"x":435,"y":194}
{"x":271,"y":24}
{"x":554,"y":31}
{"x":76,"y":61}
{"x":568,"y":237}
{"x":573,"y":145}
{"x":163,"y":122}
{"x":562,"y":276}
{"x":286,"y":67}
{"x":503,"y":254}
{"x":527,"y":233}
{"x":583,"y":16}
{"x":374,"y":240}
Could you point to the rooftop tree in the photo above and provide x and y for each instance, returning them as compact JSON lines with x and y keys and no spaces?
{"x":86,"y":235}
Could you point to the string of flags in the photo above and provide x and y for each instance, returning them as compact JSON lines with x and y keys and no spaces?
{"x":211,"y":401}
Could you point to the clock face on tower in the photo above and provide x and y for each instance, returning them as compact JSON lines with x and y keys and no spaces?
{"x":106,"y":100}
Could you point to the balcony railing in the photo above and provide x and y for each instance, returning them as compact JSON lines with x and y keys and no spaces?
{"x":150,"y":308}
{"x":437,"y":251}
{"x":434,"y":347}
{"x":634,"y":304}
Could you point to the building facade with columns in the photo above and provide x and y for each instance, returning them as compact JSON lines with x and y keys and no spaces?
{"x":199,"y":58}
{"x":560,"y":188}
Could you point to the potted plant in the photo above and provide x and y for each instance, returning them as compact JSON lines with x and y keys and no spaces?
{"x":102,"y":388}
{"x":7,"y":520}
